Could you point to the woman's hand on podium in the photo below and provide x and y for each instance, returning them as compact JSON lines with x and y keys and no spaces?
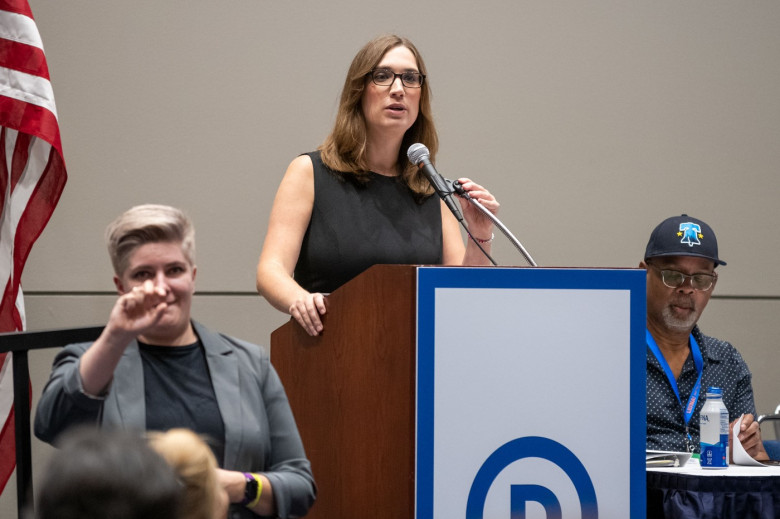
{"x":307,"y":311}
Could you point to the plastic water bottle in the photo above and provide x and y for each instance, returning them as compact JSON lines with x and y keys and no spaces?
{"x":714,"y":431}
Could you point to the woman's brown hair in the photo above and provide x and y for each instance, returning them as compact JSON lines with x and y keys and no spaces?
{"x":344,"y":150}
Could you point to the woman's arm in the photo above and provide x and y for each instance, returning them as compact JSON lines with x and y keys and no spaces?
{"x":290,"y":216}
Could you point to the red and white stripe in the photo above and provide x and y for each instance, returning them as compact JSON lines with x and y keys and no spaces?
{"x":32,"y":177}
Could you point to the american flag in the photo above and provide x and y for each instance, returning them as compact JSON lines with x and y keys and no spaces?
{"x":32,"y":176}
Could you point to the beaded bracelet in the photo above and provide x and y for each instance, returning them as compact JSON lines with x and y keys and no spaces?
{"x":479,"y":240}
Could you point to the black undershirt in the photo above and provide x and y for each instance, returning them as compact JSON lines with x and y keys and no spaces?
{"x":179,"y":393}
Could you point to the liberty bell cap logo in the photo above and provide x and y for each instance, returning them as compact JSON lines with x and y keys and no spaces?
{"x":690,"y":233}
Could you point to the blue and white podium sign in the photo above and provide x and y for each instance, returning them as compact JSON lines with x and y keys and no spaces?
{"x":530,"y":393}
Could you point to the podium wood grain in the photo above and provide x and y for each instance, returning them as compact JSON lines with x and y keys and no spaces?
{"x":352,"y":391}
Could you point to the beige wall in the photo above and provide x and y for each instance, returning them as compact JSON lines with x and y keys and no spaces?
{"x":591,"y":121}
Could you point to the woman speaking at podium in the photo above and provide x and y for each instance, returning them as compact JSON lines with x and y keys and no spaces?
{"x":357,"y":201}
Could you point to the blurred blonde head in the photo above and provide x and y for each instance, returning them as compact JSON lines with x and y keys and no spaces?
{"x":195,"y":464}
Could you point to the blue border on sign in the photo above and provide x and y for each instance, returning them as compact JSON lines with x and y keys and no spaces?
{"x":431,"y":278}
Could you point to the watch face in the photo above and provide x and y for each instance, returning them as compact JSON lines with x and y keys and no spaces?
{"x":250,"y":492}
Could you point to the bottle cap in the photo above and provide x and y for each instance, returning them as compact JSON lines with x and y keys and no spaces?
{"x":712,"y":390}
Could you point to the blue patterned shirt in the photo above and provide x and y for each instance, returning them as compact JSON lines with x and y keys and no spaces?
{"x":723,"y":368}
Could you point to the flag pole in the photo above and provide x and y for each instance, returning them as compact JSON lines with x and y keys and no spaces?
{"x":22,"y":431}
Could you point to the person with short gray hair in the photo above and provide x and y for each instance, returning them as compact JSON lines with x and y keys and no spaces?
{"x":155,"y":368}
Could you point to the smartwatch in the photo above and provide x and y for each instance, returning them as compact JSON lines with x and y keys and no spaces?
{"x":250,"y":491}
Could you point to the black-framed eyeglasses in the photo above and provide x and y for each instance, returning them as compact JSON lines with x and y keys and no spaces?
{"x":386,"y":77}
{"x":676,"y":279}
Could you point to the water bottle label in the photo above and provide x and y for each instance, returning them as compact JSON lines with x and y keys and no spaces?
{"x":714,"y":456}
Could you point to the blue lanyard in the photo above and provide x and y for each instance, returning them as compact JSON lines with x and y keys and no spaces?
{"x":698,"y":361}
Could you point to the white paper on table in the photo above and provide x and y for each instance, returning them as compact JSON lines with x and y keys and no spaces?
{"x":739,"y":454}
{"x":666,"y":458}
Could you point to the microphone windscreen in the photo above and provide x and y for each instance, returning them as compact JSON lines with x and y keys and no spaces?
{"x":417,"y":152}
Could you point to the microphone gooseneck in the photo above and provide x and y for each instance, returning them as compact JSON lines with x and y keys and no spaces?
{"x":420,"y":156}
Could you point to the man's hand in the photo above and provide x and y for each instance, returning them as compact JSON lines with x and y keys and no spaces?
{"x":750,"y":437}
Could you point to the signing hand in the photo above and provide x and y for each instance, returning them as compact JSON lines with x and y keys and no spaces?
{"x":138,"y":310}
{"x":135,"y":312}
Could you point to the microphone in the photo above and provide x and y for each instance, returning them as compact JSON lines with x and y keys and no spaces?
{"x":420,"y":156}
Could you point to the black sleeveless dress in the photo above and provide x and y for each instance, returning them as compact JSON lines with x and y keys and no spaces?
{"x":355,"y":226}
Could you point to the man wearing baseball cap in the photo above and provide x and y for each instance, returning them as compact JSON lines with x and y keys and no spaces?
{"x":681,"y":258}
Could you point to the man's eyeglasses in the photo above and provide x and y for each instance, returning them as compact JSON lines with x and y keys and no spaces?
{"x":385,"y":77}
{"x":676,"y":279}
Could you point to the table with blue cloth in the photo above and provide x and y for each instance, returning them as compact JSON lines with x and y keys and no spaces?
{"x":692,"y":492}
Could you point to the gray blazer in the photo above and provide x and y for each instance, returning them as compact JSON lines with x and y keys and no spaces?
{"x":260,"y":431}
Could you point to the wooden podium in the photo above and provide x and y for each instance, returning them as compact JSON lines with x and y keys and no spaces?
{"x":415,"y":400}
{"x":352,"y":391}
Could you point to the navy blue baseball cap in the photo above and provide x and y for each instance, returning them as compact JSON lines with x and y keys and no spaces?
{"x":683,"y":236}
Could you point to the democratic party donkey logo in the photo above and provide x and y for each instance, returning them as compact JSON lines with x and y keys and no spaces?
{"x":521,"y":495}
{"x":690,"y":232}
